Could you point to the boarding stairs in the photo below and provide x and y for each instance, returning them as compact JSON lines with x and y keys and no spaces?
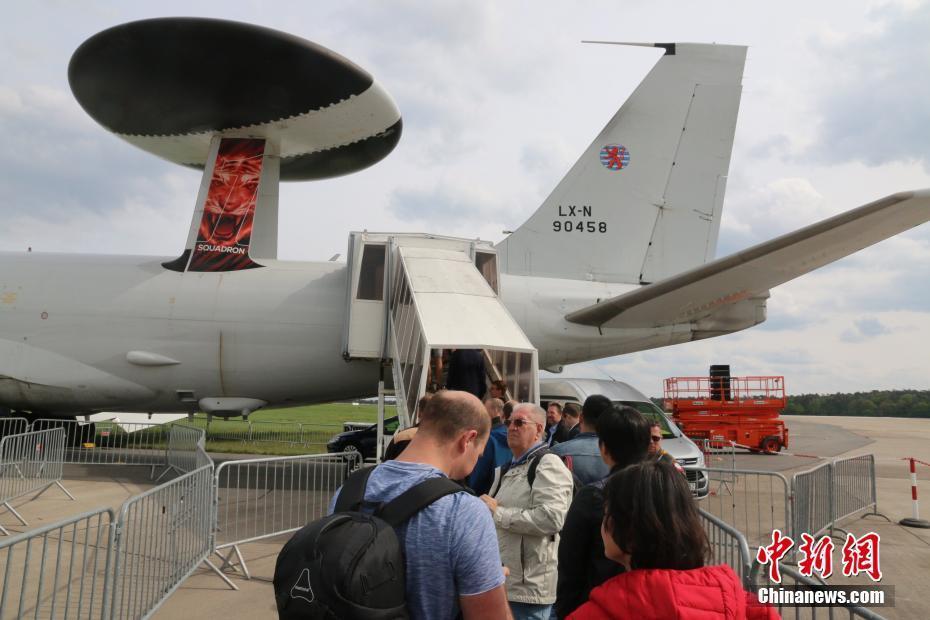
{"x":411,"y":295}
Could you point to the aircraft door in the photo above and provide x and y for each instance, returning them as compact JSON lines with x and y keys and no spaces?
{"x":366,"y":302}
{"x":486,"y":263}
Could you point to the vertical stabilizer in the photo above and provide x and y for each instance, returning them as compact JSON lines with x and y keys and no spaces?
{"x":644,"y":200}
{"x":239,"y":192}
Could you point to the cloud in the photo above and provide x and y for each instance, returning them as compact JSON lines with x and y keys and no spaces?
{"x":864,"y":329}
{"x":764,"y":212}
{"x":57,"y":162}
{"x":814,"y":358}
{"x":139,"y":223}
{"x":873,"y":105}
{"x":438,"y":205}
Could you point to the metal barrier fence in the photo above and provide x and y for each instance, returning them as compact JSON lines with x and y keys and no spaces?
{"x":727,"y":544}
{"x":290,"y":433}
{"x":758,"y":578}
{"x":142,"y":443}
{"x":854,"y":486}
{"x":13,"y":426}
{"x":813,"y":500}
{"x":753,"y":502}
{"x":275,"y":432}
{"x":30,"y":463}
{"x":59,"y":570}
{"x":262,"y":498}
{"x":185,"y":451}
{"x":111,"y":443}
{"x":718,"y":454}
{"x":162,"y":536}
{"x":831,"y":492}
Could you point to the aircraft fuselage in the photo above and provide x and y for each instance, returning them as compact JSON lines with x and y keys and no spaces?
{"x":85,"y":333}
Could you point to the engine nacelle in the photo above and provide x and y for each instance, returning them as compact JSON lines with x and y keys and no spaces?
{"x":227,"y":407}
{"x":731,"y":318}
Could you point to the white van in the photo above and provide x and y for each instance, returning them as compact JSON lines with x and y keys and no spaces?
{"x":674,"y":441}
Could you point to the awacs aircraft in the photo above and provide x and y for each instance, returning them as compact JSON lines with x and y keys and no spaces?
{"x":226,"y":327}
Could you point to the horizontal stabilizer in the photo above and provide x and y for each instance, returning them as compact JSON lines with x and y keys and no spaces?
{"x":698,"y":293}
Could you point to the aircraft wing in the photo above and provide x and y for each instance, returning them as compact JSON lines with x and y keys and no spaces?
{"x":697,"y":293}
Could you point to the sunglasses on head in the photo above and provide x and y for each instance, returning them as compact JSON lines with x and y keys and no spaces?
{"x":519,"y":422}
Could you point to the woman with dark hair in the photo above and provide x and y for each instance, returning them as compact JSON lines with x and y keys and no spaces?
{"x":623,"y":439}
{"x":651,"y":526}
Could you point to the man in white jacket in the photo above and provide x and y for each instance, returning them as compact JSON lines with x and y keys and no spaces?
{"x":529,"y":504}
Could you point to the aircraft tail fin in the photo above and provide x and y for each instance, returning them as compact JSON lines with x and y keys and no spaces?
{"x":235,"y":219}
{"x":645,"y":198}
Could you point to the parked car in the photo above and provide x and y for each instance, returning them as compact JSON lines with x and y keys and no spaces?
{"x":363,"y":440}
{"x":674,"y":441}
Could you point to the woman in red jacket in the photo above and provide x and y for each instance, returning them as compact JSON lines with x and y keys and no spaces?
{"x":651,"y":526}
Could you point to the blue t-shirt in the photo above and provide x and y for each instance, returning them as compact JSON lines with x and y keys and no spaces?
{"x":450,"y":546}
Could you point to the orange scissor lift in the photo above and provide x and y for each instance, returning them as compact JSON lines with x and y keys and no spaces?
{"x":722,"y":409}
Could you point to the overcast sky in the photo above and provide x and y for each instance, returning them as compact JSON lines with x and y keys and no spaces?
{"x":498,"y":101}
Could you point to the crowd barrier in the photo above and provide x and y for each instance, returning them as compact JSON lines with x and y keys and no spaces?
{"x":262,"y":498}
{"x":111,"y":443}
{"x":162,"y":536}
{"x":854,"y":487}
{"x":754,"y":502}
{"x":127,"y":568}
{"x":142,"y":443}
{"x":831,"y":492}
{"x":813,"y":500}
{"x":727,"y":545}
{"x":718,"y":454}
{"x":13,"y":426}
{"x":185,"y":451}
{"x":59,"y":570}
{"x":30,"y":463}
{"x":289,"y":433}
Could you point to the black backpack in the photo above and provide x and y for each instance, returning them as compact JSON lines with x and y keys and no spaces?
{"x":351,"y":563}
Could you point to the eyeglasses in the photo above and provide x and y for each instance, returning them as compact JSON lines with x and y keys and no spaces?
{"x":519,"y":422}
{"x":656,"y":439}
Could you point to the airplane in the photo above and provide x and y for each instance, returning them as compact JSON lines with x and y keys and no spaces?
{"x":227,"y":328}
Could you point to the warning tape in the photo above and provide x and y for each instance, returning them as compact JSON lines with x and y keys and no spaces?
{"x":782,"y":453}
{"x":907,"y":458}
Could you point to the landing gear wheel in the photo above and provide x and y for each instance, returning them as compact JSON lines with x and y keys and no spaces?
{"x":770,"y":445}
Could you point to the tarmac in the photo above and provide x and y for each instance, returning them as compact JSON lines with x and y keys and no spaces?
{"x":904,"y":552}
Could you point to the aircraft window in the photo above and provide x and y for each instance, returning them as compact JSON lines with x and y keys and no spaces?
{"x":371,"y":273}
{"x":652,"y":413}
{"x":390,"y":426}
{"x":486,"y":262}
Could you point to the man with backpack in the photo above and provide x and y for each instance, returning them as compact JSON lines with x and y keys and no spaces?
{"x":404,"y":513}
{"x":529,"y":503}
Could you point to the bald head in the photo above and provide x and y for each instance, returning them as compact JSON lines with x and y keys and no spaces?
{"x":449,"y":413}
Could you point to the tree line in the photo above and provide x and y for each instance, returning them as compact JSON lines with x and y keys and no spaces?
{"x":877,"y":403}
